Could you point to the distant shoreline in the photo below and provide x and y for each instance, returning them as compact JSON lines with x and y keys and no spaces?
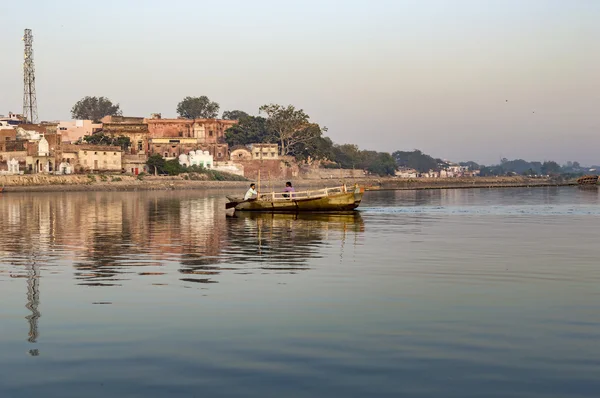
{"x":83,"y":183}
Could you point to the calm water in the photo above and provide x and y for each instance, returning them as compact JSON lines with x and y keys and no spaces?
{"x":459,"y":293}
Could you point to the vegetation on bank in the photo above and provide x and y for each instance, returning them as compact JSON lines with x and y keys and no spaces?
{"x":158,"y":165}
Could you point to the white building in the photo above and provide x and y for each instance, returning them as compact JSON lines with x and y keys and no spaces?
{"x":407,"y":173}
{"x":196,"y":158}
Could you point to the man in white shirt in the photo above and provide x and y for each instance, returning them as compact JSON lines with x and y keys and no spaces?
{"x":251,"y":193}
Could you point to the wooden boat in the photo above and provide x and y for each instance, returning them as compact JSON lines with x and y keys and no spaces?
{"x":588,"y":180}
{"x":337,"y":199}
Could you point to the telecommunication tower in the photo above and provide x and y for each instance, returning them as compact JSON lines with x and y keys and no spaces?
{"x":29,"y":99}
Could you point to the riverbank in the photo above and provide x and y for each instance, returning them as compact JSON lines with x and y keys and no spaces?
{"x":50,"y":183}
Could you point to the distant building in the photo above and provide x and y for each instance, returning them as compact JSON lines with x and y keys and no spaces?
{"x":407,"y":173}
{"x":12,"y":120}
{"x":240,"y":153}
{"x":93,"y":158}
{"x":74,"y":130}
{"x":264,"y":151}
{"x":196,"y":158}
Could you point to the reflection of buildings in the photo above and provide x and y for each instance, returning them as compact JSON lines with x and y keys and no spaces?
{"x":111,"y":236}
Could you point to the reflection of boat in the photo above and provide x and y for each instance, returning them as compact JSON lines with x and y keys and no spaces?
{"x":587,"y":180}
{"x":320,"y":200}
{"x":347,"y":217}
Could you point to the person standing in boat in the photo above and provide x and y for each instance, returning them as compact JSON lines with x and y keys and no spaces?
{"x":251,"y":193}
{"x":288,"y":189}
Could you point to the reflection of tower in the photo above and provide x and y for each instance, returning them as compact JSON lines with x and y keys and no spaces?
{"x":29,"y":97}
{"x":33,"y":300}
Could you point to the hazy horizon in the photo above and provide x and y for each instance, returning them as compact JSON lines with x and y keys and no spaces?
{"x":460,"y":80}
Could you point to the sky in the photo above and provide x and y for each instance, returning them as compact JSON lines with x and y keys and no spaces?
{"x":457,"y":79}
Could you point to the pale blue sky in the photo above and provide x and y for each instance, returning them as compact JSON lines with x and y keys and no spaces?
{"x":386,"y":75}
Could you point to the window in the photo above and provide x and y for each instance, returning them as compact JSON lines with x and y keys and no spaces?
{"x":210,"y":133}
{"x":166,"y":154}
{"x":85,"y":152}
{"x":219,"y":154}
{"x":272,"y":154}
{"x":95,"y":153}
{"x":114,"y":153}
{"x":257,"y":154}
{"x":105,"y":153}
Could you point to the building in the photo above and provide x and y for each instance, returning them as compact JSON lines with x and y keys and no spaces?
{"x":92,"y":158}
{"x":407,"y":173}
{"x":196,"y":158}
{"x":12,"y":120}
{"x":31,"y":131}
{"x":40,"y":159}
{"x":11,"y":149}
{"x":134,"y":128}
{"x":264,"y":151}
{"x":171,"y":148}
{"x":240,"y":153}
{"x":206,"y":131}
{"x":4,"y":125}
{"x":74,"y":130}
{"x":6,"y":135}
{"x":192,"y":134}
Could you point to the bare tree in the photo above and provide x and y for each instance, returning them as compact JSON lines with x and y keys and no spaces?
{"x":290,"y":125}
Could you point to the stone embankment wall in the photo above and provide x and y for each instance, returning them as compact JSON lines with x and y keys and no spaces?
{"x":331,"y":174}
{"x":96,"y":182}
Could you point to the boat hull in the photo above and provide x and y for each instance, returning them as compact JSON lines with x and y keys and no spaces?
{"x":588,"y":180}
{"x":341,"y":202}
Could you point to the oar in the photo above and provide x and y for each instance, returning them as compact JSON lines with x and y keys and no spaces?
{"x":229,"y":205}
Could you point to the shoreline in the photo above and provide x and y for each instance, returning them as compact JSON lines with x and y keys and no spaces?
{"x":120,"y":183}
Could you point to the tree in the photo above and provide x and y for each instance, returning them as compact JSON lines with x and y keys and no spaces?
{"x":313,"y":146}
{"x":103,"y":139}
{"x":156,"y":163}
{"x":415,"y":160}
{"x":235,"y":115}
{"x":346,"y":155}
{"x":288,"y":123}
{"x":198,"y":108}
{"x":381,"y":163}
{"x":471,"y":165}
{"x":550,"y":168}
{"x":94,"y":108}
{"x":250,"y":130}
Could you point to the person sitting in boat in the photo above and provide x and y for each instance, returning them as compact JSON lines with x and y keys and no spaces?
{"x":251,"y":193}
{"x":288,"y":189}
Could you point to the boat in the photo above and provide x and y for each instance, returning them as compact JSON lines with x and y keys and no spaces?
{"x":588,"y":180}
{"x":336,"y":199}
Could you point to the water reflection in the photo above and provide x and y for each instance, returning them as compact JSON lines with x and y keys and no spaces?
{"x":33,"y":300}
{"x":286,"y":240}
{"x":115,"y":238}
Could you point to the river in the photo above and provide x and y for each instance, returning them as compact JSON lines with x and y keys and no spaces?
{"x":441,"y":293}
